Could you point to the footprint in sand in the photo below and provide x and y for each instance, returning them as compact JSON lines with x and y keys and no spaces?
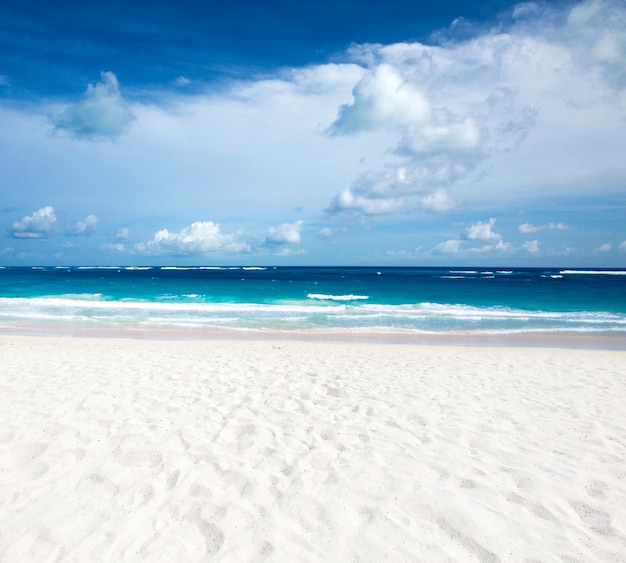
{"x":93,"y":481}
{"x":137,"y":457}
{"x":213,"y":536}
{"x":138,"y":495}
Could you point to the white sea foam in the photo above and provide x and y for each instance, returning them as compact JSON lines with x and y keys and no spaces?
{"x":304,"y":315}
{"x":463,"y":271}
{"x":595,"y":272}
{"x":326,"y":297}
{"x":99,"y":268}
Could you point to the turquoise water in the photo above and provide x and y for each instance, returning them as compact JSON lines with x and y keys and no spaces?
{"x":427,"y":300}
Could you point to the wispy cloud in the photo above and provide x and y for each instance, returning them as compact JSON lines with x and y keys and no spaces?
{"x":529,"y":228}
{"x":101,"y":114}
{"x":122,"y":234}
{"x":85,"y":227}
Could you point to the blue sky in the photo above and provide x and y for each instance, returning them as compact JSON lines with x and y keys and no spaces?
{"x":284,"y":132}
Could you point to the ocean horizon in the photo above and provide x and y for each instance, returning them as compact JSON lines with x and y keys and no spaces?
{"x":435,"y":300}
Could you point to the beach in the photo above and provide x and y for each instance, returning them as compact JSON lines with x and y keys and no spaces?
{"x":249,"y":449}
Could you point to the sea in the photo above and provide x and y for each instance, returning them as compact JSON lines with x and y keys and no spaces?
{"x":390,"y":300}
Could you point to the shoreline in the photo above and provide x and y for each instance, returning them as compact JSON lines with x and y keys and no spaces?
{"x":530,"y":339}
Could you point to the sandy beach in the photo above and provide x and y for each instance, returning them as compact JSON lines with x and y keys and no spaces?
{"x":120,"y":449}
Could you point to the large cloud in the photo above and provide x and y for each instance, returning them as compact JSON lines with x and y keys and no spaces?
{"x":198,"y":239}
{"x":102,"y":113}
{"x":451,"y":107}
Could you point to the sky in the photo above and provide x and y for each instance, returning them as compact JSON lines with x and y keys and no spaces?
{"x":284,"y":132}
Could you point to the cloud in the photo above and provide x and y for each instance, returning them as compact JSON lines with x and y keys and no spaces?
{"x":348,"y":201}
{"x":122,"y":234}
{"x":40,"y":225}
{"x":449,"y":247}
{"x":531,"y":246}
{"x":182,"y":81}
{"x":102,"y":113}
{"x":325,"y":232}
{"x":482,"y":231}
{"x":604,"y":247}
{"x":449,"y":109}
{"x":198,"y":239}
{"x":438,"y":201}
{"x":287,"y":233}
{"x":85,"y":227}
{"x":622,"y":245}
{"x":113,"y":247}
{"x":529,"y":228}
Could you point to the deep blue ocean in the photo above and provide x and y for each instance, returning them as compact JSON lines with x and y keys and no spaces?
{"x":389,"y":300}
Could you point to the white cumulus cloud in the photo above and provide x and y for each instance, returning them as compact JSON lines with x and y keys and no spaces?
{"x":531,"y":246}
{"x":40,"y":225}
{"x":349,"y":201}
{"x":482,"y":231}
{"x":85,"y":227}
{"x":453,"y":107}
{"x":102,"y":113}
{"x":198,"y":239}
{"x":287,"y":233}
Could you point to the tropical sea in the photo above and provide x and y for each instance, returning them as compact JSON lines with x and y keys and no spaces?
{"x":315,"y":299}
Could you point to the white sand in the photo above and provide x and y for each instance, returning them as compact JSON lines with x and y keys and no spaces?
{"x":123,"y":450}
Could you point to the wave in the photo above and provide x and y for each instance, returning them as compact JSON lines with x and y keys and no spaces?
{"x":325,"y":297}
{"x":595,"y":272}
{"x":463,"y":271}
{"x":314,"y":314}
{"x":99,"y":268}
